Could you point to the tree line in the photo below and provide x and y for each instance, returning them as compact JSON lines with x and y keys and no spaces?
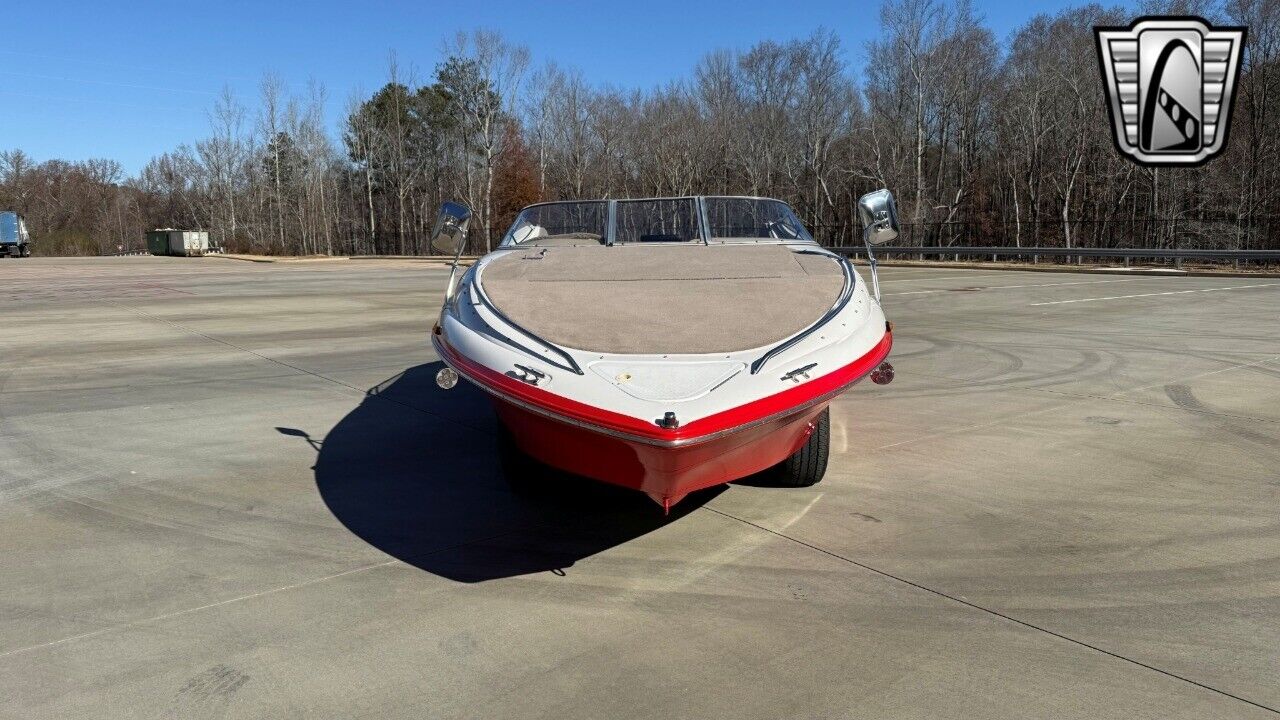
{"x":984,"y":141}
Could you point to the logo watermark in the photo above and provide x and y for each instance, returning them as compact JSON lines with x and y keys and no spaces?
{"x":1170,"y":85}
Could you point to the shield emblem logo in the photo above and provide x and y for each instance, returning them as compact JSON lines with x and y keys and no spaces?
{"x":1170,"y":83}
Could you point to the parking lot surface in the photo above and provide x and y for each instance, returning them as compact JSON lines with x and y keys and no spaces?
{"x":231,"y":489}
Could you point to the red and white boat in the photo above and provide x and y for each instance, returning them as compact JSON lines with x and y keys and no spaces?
{"x":667,"y":344}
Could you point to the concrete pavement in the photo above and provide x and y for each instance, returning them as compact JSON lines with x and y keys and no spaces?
{"x":233,"y":490}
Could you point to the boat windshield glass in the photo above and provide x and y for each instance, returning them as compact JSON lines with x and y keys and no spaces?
{"x":741,"y":218}
{"x":661,"y":220}
{"x":645,"y":221}
{"x":562,"y":223}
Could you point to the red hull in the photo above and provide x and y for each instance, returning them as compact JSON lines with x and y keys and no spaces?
{"x":667,"y":474}
{"x":666,"y":463}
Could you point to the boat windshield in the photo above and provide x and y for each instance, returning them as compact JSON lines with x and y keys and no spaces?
{"x":561,"y":223}
{"x":742,"y":218}
{"x":646,"y":221}
{"x":661,"y":220}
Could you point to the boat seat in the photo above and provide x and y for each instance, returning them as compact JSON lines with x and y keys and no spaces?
{"x":562,"y":241}
{"x":667,"y":299}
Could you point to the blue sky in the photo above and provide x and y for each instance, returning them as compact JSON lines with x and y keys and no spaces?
{"x":129,"y":80}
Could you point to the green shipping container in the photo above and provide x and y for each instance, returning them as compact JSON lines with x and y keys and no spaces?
{"x":158,"y":242}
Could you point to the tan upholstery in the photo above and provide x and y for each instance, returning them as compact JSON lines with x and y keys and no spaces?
{"x":562,"y":241}
{"x":667,"y":299}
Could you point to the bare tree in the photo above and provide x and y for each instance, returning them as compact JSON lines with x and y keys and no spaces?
{"x":915,"y":29}
{"x":485,"y":77}
{"x":223,"y":155}
{"x":271,"y":124}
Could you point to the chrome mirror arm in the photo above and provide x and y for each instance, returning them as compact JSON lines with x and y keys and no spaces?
{"x":871,"y":260}
{"x":453,"y":275}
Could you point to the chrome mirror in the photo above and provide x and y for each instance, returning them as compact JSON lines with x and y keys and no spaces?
{"x":450,"y":235}
{"x":879,"y":225}
{"x":879,"y":217}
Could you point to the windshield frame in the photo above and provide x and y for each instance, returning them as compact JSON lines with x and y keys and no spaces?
{"x":701,"y":216}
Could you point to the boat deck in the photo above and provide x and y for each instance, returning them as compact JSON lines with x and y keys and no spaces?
{"x":660,"y":299}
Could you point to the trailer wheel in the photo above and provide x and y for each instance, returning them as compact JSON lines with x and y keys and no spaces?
{"x":807,"y":466}
{"x":26,"y":251}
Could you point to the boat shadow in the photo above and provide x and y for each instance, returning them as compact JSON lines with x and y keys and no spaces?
{"x":414,"y":472}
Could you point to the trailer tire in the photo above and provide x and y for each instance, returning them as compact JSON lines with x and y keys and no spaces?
{"x":808,"y":464}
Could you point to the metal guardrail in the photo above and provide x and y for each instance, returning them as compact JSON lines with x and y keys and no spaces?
{"x":1058,"y":252}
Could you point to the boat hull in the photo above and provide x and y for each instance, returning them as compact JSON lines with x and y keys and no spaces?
{"x":666,"y":474}
{"x":665,"y":463}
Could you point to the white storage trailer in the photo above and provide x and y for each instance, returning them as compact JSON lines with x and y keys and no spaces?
{"x":188,"y":242}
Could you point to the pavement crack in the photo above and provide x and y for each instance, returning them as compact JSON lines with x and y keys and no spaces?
{"x":319,"y":376}
{"x":232,"y":345}
{"x":250,"y":596}
{"x":994,"y":612}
